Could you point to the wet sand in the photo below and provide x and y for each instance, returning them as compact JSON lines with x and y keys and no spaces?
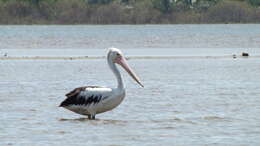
{"x":132,"y":57}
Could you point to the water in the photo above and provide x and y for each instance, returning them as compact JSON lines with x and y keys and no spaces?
{"x":130,"y":36}
{"x":185,"y":101}
{"x":135,"y":40}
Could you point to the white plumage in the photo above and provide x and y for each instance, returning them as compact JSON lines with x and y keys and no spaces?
{"x":92,"y":100}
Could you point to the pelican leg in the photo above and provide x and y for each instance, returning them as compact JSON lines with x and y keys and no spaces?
{"x":91,"y":117}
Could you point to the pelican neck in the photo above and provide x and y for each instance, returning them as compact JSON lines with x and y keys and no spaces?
{"x":113,"y":67}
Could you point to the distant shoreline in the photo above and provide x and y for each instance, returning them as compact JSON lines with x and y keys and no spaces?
{"x":128,"y":58}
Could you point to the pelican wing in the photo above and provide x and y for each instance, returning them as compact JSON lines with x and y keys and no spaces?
{"x":76,"y":91}
{"x":80,"y":96}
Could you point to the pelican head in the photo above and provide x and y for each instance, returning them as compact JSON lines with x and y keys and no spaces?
{"x":116,"y":56}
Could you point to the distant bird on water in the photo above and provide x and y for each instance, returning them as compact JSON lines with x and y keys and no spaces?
{"x":92,"y":100}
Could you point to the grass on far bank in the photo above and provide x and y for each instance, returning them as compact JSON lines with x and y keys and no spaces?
{"x":143,"y":12}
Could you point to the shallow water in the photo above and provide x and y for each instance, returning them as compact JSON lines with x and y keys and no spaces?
{"x":184,"y":102}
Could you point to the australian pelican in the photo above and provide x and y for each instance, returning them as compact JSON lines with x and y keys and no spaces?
{"x":92,"y":100}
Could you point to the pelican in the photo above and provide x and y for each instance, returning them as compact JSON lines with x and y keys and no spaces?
{"x":92,"y":100}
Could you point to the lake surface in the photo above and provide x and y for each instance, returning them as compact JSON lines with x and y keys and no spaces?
{"x":130,"y":36}
{"x":186,"y":101}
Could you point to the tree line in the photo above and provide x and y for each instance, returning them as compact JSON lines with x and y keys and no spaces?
{"x":128,"y":11}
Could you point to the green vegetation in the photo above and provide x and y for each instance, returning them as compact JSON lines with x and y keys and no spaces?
{"x":128,"y":11}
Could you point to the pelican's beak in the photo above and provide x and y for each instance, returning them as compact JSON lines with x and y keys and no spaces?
{"x":122,"y":61}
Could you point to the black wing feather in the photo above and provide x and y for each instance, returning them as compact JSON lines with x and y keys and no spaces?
{"x":74,"y":98}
